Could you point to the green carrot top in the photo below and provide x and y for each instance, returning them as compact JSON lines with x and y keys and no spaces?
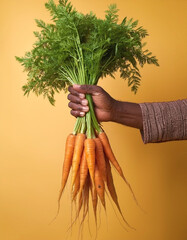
{"x":81,"y":48}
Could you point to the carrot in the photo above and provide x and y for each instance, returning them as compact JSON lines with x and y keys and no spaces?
{"x":76,"y":185}
{"x":94,"y":201}
{"x":81,"y":200}
{"x":100,"y":158}
{"x":110,"y":155}
{"x":112,"y":190}
{"x":86,"y":196}
{"x":83,"y":170}
{"x":69,"y":148}
{"x":89,"y":145}
{"x":80,"y":203}
{"x":99,"y":185}
{"x":85,"y":202}
{"x":79,"y":144}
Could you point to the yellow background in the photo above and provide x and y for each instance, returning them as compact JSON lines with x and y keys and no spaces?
{"x":33,"y":133}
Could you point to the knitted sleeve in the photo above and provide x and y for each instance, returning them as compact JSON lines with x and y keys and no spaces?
{"x":164,"y":121}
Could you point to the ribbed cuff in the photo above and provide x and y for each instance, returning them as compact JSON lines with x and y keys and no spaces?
{"x":164,"y":121}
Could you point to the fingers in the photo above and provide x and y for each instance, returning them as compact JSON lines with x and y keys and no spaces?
{"x":77,"y":99}
{"x":78,"y":102}
{"x":76,"y":93}
{"x":78,"y":109}
{"x":77,"y":113}
{"x":74,"y":98}
{"x":92,"y":89}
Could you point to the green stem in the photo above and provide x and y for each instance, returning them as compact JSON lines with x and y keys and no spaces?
{"x":92,"y":113}
{"x":89,"y":126}
{"x":83,"y":127}
{"x":93,"y":132}
{"x":77,"y":126}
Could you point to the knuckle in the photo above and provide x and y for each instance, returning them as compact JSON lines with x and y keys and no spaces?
{"x":90,"y":88}
{"x":74,"y":113}
{"x":83,"y":88}
{"x":76,"y":99}
{"x":69,"y":97}
{"x":79,"y":107}
{"x":70,"y":105}
{"x":69,"y":88}
{"x":99,"y":89}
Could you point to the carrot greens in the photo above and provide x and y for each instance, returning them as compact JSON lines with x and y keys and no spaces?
{"x":78,"y":48}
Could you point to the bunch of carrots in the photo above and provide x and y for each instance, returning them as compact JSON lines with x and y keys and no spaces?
{"x":90,"y":160}
{"x":77,"y":48}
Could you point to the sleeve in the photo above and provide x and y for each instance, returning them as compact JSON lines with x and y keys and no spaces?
{"x":164,"y":121}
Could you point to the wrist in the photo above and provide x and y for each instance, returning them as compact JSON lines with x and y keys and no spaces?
{"x":127,"y":113}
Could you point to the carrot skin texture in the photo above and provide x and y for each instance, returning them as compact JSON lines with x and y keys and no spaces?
{"x":110,"y":155}
{"x":89,"y":145}
{"x":83,"y":170}
{"x":85,"y":202}
{"x":76,"y":185}
{"x":94,"y":201}
{"x":112,"y":191}
{"x":69,"y":149}
{"x":100,"y":158}
{"x":78,"y":149}
{"x":86,"y":196}
{"x":100,"y":186}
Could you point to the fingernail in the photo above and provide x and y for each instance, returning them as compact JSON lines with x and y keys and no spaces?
{"x":76,"y":86}
{"x":84,"y":102}
{"x":85,"y":108}
{"x":82,"y":113}
{"x":81,"y":95}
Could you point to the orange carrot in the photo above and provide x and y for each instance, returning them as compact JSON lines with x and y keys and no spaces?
{"x":78,"y":149}
{"x":85,"y":202}
{"x":112,"y":190}
{"x":76,"y":185}
{"x":80,"y":202}
{"x":94,"y":201}
{"x":100,"y":158}
{"x":70,"y":142}
{"x":110,"y":155}
{"x":89,"y":145}
{"x":83,"y":170}
{"x":86,"y":196}
{"x":99,"y":185}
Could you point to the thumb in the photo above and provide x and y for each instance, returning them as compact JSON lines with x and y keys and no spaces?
{"x":91,"y":89}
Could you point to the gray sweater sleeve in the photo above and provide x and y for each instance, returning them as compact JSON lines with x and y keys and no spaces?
{"x":164,"y":121}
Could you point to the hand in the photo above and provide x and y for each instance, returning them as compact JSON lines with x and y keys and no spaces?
{"x":104,"y":104}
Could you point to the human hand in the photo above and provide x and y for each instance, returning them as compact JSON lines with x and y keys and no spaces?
{"x":104,"y":104}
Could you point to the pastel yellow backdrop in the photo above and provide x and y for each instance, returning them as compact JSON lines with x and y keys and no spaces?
{"x":33,"y":133}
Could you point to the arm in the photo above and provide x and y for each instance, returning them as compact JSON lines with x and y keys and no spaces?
{"x":106,"y":108}
{"x":158,"y":122}
{"x":128,"y":114}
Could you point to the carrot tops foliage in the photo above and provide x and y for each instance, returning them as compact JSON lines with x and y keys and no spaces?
{"x":78,"y":48}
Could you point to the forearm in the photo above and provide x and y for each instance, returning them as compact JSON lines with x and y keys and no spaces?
{"x":128,"y":114}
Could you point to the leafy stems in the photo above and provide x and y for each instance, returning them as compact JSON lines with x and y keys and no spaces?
{"x":77,"y":126}
{"x":83,"y":127}
{"x":93,"y":117}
